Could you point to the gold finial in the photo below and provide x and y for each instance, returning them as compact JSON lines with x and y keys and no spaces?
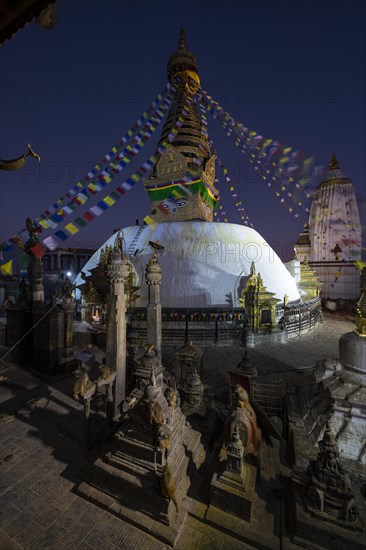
{"x":182,"y":45}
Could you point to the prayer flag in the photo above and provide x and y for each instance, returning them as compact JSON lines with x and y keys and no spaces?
{"x":7,"y":269}
{"x":50,"y":243}
{"x":71,"y":228}
{"x":38,"y":250}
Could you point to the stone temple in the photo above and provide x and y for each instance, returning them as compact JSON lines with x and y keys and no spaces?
{"x":332,"y":243}
{"x":206,"y":264}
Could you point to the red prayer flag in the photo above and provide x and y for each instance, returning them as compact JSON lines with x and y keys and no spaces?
{"x":38,"y":250}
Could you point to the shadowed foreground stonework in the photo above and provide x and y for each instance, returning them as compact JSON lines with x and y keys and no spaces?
{"x":42,"y":460}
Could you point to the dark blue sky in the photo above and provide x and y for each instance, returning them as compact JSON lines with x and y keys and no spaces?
{"x":293,"y":71}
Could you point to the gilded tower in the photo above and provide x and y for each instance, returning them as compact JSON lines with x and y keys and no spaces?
{"x":181,"y":186}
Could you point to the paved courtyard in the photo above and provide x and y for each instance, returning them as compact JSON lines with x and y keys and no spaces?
{"x":41,"y":456}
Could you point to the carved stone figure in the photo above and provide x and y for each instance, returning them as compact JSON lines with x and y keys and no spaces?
{"x":163,"y":437}
{"x":171,"y":395}
{"x":156,"y":415}
{"x":82,"y":385}
{"x":167,"y":484}
{"x":106,"y":371}
{"x":329,"y":489}
{"x":245,"y":417}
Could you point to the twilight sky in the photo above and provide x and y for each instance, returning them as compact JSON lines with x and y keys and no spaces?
{"x":289,"y":70}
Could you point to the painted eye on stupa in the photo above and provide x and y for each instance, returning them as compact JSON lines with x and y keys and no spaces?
{"x":165,"y":205}
{"x":181,"y":203}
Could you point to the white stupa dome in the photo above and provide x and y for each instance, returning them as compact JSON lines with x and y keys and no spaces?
{"x":204,"y":264}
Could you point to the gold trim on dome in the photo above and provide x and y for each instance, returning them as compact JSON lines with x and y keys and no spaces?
{"x":209,"y":171}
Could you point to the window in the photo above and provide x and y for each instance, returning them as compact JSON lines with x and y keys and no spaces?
{"x":66,"y":262}
{"x":266,"y":317}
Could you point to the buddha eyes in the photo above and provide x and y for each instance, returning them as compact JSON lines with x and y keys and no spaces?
{"x":173,"y":206}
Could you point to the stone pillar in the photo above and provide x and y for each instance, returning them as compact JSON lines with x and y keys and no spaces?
{"x":68,"y":305}
{"x":153,"y":277}
{"x":117,"y":269}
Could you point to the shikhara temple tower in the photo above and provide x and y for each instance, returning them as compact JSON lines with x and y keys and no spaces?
{"x":181,"y":186}
{"x":333,"y":243}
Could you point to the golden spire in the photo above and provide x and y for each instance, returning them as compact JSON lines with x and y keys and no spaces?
{"x":182,"y":61}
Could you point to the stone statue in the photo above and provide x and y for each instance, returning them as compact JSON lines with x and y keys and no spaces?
{"x":163,"y":438}
{"x":82,"y":385}
{"x":245,"y":418}
{"x":106,"y":372}
{"x":167,"y":484}
{"x":155,"y":414}
{"x":171,"y":395}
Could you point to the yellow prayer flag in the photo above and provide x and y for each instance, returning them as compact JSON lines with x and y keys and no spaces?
{"x":7,"y":269}
{"x":148,"y":220}
{"x":108,"y":200}
{"x":71,"y":228}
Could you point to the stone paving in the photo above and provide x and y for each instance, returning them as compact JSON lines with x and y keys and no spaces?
{"x":41,"y":457}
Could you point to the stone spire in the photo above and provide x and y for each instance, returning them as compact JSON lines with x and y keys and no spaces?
{"x":333,"y":165}
{"x":235,"y":452}
{"x":335,"y":234}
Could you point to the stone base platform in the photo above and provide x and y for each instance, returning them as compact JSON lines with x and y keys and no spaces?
{"x":168,"y":534}
{"x":233,"y":497}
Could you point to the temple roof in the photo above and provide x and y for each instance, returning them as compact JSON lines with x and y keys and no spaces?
{"x":304,"y":238}
{"x":16,"y":14}
{"x":334,"y":174}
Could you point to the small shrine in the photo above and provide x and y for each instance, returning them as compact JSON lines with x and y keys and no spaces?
{"x":329,"y":494}
{"x":303,"y":245}
{"x":323,"y":504}
{"x":95,"y":290}
{"x":188,"y":360}
{"x":259,"y":303}
{"x":233,"y":484}
{"x":144,"y":475}
{"x":309,"y":285}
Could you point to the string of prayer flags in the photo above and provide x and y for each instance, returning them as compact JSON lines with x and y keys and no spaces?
{"x":111,"y":199}
{"x":237,"y":202}
{"x":96,"y":179}
{"x":268,"y":177}
{"x":289,"y":164}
